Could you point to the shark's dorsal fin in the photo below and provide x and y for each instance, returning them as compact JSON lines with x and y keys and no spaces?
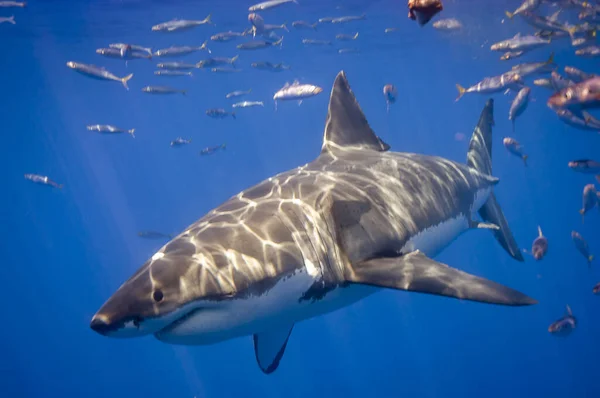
{"x":346,"y":125}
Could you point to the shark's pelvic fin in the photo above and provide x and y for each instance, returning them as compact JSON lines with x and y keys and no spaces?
{"x":346,"y":125}
{"x":270,"y":346}
{"x":479,"y":157}
{"x":418,"y":273}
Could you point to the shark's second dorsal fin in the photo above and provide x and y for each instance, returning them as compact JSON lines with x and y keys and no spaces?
{"x":346,"y":124}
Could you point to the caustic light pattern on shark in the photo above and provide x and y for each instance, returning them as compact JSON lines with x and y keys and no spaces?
{"x":315,"y":239}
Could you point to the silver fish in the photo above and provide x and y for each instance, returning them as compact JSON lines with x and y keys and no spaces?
{"x":586,"y":166}
{"x":348,"y":51}
{"x":99,"y":73}
{"x":248,"y":104}
{"x":511,"y":55}
{"x":126,"y":55}
{"x":528,"y":5}
{"x":44,"y":180}
{"x":180,"y":24}
{"x":176,"y":66}
{"x":296,"y":91}
{"x":304,"y":25}
{"x":590,"y":51}
{"x":133,"y":47}
{"x":177,"y":142}
{"x":10,"y":20}
{"x":520,"y":43}
{"x":9,"y":4}
{"x":565,"y":325}
{"x":108,"y":129}
{"x":180,"y":51}
{"x":582,"y":246}
{"x":258,"y":44}
{"x":225,"y":70}
{"x":350,"y":18}
{"x":494,"y":84}
{"x":515,"y":148}
{"x":162,"y":90}
{"x":577,"y":75}
{"x":519,"y":105}
{"x":266,"y":5}
{"x":448,"y":24}
{"x":270,"y":66}
{"x":590,"y":200}
{"x":219,"y":113}
{"x":534,"y":68}
{"x":313,"y":42}
{"x":235,"y":94}
{"x":175,"y":73}
{"x":343,"y":37}
{"x":545,"y":83}
{"x":216,"y":61}
{"x":226,"y":36}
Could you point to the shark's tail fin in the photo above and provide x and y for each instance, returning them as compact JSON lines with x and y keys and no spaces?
{"x":479,"y":157}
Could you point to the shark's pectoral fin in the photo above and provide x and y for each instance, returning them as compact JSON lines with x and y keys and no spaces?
{"x":418,"y":273}
{"x":270,"y":346}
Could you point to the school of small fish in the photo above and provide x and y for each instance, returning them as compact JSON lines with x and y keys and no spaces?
{"x":573,"y":94}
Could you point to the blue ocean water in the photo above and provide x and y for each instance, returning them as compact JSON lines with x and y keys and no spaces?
{"x":64,"y":252}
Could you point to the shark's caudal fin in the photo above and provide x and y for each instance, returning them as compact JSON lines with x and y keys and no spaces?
{"x":479,"y":157}
{"x":346,"y":125}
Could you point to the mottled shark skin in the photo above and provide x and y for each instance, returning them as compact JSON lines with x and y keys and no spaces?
{"x":315,"y":239}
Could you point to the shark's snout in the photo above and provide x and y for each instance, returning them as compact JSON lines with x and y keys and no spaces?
{"x":100,"y":325}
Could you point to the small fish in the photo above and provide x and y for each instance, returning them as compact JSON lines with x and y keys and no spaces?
{"x":248,"y":104}
{"x":132,"y":47}
{"x":545,"y":23}
{"x":582,"y":246}
{"x":580,"y":41}
{"x":577,"y":75}
{"x":546,"y":83}
{"x":527,"y":5}
{"x":269,"y":4}
{"x":123,"y":54}
{"x":325,"y":20}
{"x":342,"y":37}
{"x":180,"y":24}
{"x":8,"y":4}
{"x":44,"y":180}
{"x":212,"y":149}
{"x":390,"y":93}
{"x":515,"y":148}
{"x":98,"y":73}
{"x":494,"y":84}
{"x":519,"y":105}
{"x":270,"y":66}
{"x":519,"y":43}
{"x":178,"y":142}
{"x":154,"y":235}
{"x":596,"y":288}
{"x":590,"y":51}
{"x":423,"y":10}
{"x":586,"y":166}
{"x":590,"y":200}
{"x":296,"y":91}
{"x":583,"y":95}
{"x":226,"y":36}
{"x":535,"y":68}
{"x":219,"y":113}
{"x":350,"y":18}
{"x":539,"y":247}
{"x":235,"y":94}
{"x":10,"y":20}
{"x":108,"y":129}
{"x":565,"y":325}
{"x":225,"y":70}
{"x":511,"y":55}
{"x":314,"y":42}
{"x":258,"y":44}
{"x":176,"y":66}
{"x":216,"y":61}
{"x":578,"y":119}
{"x":348,"y":50}
{"x":390,"y":30}
{"x":258,"y":24}
{"x":304,"y":25}
{"x":448,"y":24}
{"x":559,"y":82}
{"x":180,"y":51}
{"x":173,"y":73}
{"x":162,"y":90}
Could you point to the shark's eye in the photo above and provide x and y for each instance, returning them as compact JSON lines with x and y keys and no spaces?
{"x":157,"y":295}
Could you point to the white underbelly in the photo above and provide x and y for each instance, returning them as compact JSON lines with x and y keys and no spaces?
{"x":279,"y":307}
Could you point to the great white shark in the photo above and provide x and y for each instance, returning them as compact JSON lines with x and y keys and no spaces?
{"x":317,"y":238}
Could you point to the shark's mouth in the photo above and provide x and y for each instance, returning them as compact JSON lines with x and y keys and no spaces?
{"x":177,"y":322}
